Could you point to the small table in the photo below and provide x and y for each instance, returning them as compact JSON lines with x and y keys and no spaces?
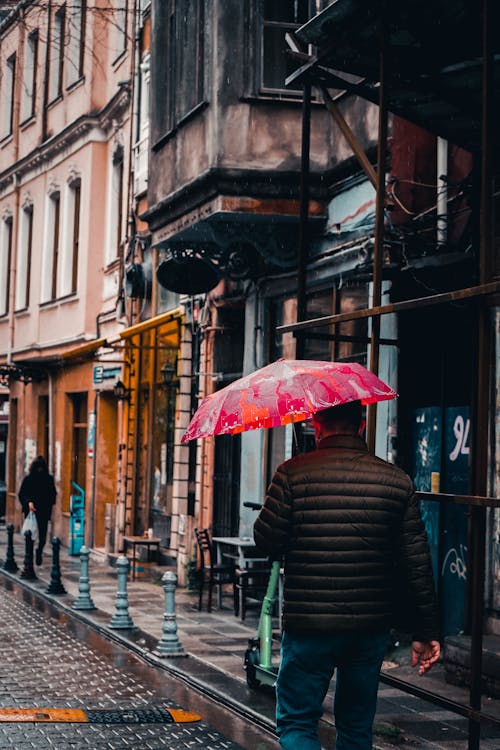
{"x":140,"y":541}
{"x":243,"y":550}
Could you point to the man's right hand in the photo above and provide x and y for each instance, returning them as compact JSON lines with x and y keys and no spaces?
{"x":31,"y":507}
{"x":424,"y":654}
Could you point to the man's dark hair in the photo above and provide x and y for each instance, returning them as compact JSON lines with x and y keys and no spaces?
{"x":347,"y":415}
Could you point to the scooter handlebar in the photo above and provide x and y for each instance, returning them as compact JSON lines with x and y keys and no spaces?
{"x":253,"y":506}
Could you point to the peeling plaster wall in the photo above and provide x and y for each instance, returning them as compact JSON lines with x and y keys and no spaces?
{"x":241,"y":130}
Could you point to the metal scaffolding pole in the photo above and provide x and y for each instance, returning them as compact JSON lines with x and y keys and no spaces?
{"x":303,"y":249}
{"x":481,"y":431}
{"x":378,"y":251}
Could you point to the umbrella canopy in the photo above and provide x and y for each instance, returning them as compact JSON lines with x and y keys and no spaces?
{"x":289,"y":390}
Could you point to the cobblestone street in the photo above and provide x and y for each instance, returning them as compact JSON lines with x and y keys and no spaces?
{"x":46,"y":662}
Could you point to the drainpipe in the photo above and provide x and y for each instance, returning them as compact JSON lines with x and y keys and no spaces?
{"x":442,"y":191}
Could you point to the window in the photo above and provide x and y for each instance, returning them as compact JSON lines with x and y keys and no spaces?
{"x":121,"y":27}
{"x":141,"y":149}
{"x":29,"y":83}
{"x":5,"y":258}
{"x":76,"y":40}
{"x":51,"y":248}
{"x":57,"y":55}
{"x":69,"y":280}
{"x":178,"y":63}
{"x":276,"y":18}
{"x":8,"y":96}
{"x":24,"y":259}
{"x":143,"y":109}
{"x":115,"y":209}
{"x":56,"y":210}
{"x":75,"y":234}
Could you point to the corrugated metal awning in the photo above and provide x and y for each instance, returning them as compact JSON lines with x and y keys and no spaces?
{"x":147,"y":325}
{"x":83,"y":350}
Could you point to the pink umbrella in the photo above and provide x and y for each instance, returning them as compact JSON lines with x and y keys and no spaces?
{"x":289,"y":390}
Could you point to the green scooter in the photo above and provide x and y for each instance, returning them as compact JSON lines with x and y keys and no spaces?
{"x":258,"y":656}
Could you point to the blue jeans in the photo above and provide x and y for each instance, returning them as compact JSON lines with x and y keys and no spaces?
{"x":307,"y":666}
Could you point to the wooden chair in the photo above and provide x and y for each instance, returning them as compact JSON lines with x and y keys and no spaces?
{"x":250,"y":584}
{"x":211,"y":573}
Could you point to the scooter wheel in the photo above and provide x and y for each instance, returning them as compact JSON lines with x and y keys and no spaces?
{"x":252,"y":658}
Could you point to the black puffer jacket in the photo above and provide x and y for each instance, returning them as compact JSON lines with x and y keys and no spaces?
{"x":348,"y":526}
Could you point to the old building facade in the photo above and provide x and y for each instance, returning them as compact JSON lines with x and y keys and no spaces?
{"x":170,"y":208}
{"x":66,"y":73}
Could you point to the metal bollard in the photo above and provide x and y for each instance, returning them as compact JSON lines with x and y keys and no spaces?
{"x":28,"y":571}
{"x":55,"y":586}
{"x":10,"y":564}
{"x":84,"y":600}
{"x":121,"y":618}
{"x":169,"y":644}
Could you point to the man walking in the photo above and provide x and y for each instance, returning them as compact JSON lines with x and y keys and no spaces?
{"x":348,"y":527}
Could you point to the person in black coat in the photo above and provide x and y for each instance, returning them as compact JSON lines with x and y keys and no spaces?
{"x":38,"y":494}
{"x":349,"y":529}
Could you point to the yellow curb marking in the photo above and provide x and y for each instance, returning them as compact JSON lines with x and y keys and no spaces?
{"x":76,"y":715}
{"x":183,"y":717}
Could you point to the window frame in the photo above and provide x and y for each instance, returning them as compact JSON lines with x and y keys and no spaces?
{"x":9,"y":79}
{"x":55,"y":241}
{"x":24,"y":254}
{"x":50,"y":284}
{"x":121,"y":29}
{"x":166,"y":121}
{"x":6,"y":238}
{"x":56,"y":57}
{"x":112,"y":251}
{"x":28,"y":106}
{"x":76,"y":42}
{"x":144,"y":97}
{"x":76,"y":191}
{"x":257,"y":88}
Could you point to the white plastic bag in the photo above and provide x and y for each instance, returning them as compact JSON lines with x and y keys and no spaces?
{"x":30,"y":524}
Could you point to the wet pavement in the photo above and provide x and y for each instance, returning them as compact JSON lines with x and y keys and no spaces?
{"x":50,"y":660}
{"x":215,"y":643}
